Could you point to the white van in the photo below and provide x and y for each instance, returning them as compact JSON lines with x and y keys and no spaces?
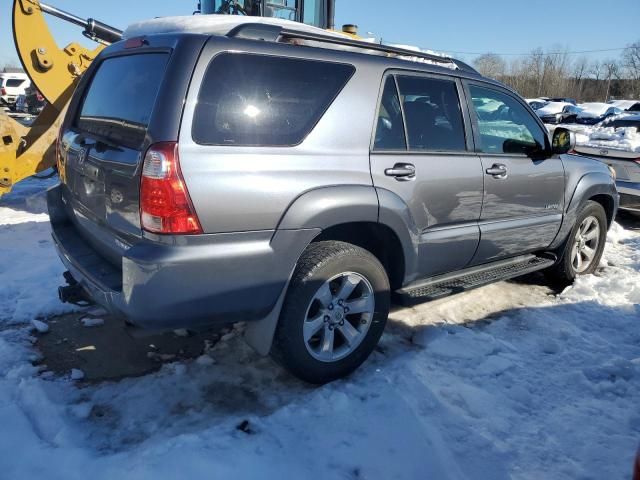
{"x":12,"y":85}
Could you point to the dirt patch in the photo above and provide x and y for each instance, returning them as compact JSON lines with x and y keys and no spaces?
{"x":110,"y":351}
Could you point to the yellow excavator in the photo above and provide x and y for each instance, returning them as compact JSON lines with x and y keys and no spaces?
{"x":55,"y":72}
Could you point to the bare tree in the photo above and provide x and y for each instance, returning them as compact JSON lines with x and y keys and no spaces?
{"x":491,"y":65}
{"x":631,"y":66}
{"x":611,"y":69}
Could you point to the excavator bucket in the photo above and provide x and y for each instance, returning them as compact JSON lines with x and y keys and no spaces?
{"x":55,"y":73}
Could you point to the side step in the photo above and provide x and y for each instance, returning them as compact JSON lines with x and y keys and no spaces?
{"x":470,"y":278}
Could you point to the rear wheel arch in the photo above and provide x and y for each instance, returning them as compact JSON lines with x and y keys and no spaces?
{"x":376,"y":238}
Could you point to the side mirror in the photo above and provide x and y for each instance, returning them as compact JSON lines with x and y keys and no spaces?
{"x":563,"y":141}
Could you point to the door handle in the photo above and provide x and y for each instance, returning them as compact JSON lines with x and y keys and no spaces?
{"x":497,"y":170}
{"x":402,"y":172}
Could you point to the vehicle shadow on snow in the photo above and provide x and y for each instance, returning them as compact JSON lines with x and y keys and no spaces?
{"x":628,"y":220}
{"x":222,"y":383}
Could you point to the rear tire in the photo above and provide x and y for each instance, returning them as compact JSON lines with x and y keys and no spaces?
{"x":583,"y":248}
{"x":334,"y":312}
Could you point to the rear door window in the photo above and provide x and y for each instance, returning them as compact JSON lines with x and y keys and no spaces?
{"x":390,"y":134}
{"x":254,"y":100}
{"x":432,"y":114}
{"x":119,"y":101}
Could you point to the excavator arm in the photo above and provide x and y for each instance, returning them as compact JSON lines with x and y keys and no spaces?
{"x":55,"y":72}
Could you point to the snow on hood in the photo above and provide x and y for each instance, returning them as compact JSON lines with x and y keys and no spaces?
{"x":552,"y":108}
{"x":212,"y":24}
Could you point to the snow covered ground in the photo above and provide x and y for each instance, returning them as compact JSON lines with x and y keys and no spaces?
{"x":508,"y":381}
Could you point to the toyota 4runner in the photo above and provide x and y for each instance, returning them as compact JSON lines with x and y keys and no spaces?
{"x":300,"y":180}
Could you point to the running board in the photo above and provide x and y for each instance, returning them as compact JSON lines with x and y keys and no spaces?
{"x":470,"y":278}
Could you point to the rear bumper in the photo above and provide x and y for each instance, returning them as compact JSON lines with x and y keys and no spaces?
{"x":183,"y":283}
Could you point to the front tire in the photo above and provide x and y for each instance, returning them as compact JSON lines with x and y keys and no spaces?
{"x":334,"y":313}
{"x":583,"y":249}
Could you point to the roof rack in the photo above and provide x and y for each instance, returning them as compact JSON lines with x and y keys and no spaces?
{"x":276,"y":33}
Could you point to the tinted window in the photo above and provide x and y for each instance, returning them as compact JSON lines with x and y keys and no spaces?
{"x":14,"y":82}
{"x":313,"y":11}
{"x":432,"y":114}
{"x":119,"y":102}
{"x":390,"y":128}
{"x":261,"y":100}
{"x":281,"y":9}
{"x":506,"y":126}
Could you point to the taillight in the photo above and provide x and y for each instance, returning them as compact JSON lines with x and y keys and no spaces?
{"x":39,"y":97}
{"x":3,"y":91}
{"x":165,"y":206}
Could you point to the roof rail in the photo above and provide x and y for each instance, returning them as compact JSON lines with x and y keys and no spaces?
{"x":276,"y":33}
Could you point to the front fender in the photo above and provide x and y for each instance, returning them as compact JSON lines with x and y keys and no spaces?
{"x":589,"y":185}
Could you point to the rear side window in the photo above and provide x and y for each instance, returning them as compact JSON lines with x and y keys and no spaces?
{"x":14,"y":82}
{"x":119,"y":101}
{"x":432,"y":114}
{"x":255,"y":100}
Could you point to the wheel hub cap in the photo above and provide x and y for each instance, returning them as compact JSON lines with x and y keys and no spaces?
{"x":586,"y":244}
{"x":338,"y":317}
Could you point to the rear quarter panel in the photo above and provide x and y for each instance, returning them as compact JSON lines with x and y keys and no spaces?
{"x":235,"y":188}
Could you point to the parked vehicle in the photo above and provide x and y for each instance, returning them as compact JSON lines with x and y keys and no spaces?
{"x":34,"y":101}
{"x":558,"y":112}
{"x":616,"y":151}
{"x":537,"y":103}
{"x":626,"y":105}
{"x":12,"y":85}
{"x":572,"y":101}
{"x":595,"y":112}
{"x":21,"y":103}
{"x":295,"y":185}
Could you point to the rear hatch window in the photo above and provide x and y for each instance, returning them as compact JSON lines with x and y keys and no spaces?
{"x":104,"y":147}
{"x":14,"y":82}
{"x":119,"y":102}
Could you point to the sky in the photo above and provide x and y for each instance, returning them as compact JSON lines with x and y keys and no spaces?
{"x":475,"y":26}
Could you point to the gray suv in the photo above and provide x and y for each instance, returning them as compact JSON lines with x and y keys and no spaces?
{"x":301,"y":182}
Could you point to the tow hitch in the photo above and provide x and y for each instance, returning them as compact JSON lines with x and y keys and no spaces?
{"x":72,"y":293}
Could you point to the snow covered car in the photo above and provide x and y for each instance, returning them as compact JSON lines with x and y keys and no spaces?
{"x":616,"y":142}
{"x":572,"y":101}
{"x":626,"y":105}
{"x":558,"y":112}
{"x":536,"y":103}
{"x":595,"y":112}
